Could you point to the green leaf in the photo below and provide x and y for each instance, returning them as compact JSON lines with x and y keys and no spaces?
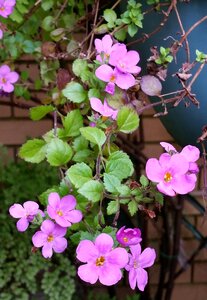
{"x":75,"y":92}
{"x":159,"y":198}
{"x":132,"y":207}
{"x":111,"y":183}
{"x":79,"y":174}
{"x":82,"y":155}
{"x":112,"y":207}
{"x":110,"y":15}
{"x":121,"y":34}
{"x":37,"y":113}
{"x":132,"y":30}
{"x":119,"y":165}
{"x":47,"y":4}
{"x":72,"y":123}
{"x":94,"y":93}
{"x":58,"y":152}
{"x":48,"y":23}
{"x":33,"y":151}
{"x":92,"y":190}
{"x":94,"y":135}
{"x":79,"y":65}
{"x":80,"y":143}
{"x":144,"y":181}
{"x":127,"y":120}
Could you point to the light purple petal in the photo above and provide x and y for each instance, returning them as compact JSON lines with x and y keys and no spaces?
{"x":86,"y":251}
{"x":166,"y":189}
{"x":68,"y":203}
{"x":47,"y":250}
{"x":8,"y":87}
{"x":124,"y":80}
{"x":4,"y":70}
{"x":147,"y":258}
{"x":47,"y":226}
{"x":74,"y":216}
{"x":51,"y":212}
{"x":96,"y":105}
{"x":117,"y":54}
{"x":135,"y":250}
{"x":168,"y":147}
{"x":17,"y":211}
{"x":132,"y":278}
{"x":104,"y":243}
{"x":109,"y":274}
{"x":59,"y":244}
{"x":191,"y":153}
{"x":142,"y":278}
{"x":193,"y":167}
{"x":184,"y":184}
{"x":22,"y":224}
{"x":133,"y":69}
{"x":88,"y":273}
{"x":178,"y":164}
{"x":153,"y":170}
{"x":164,"y":161}
{"x":110,"y":88}
{"x":62,"y":221}
{"x":59,"y":231}
{"x":98,"y":45}
{"x":12,"y":77}
{"x":31,"y":207}
{"x":107,"y":43}
{"x":39,"y":239}
{"x":131,"y":58}
{"x":54,"y":200}
{"x":118,"y":257}
{"x":105,"y":73}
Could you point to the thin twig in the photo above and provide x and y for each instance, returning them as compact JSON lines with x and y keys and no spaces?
{"x":94,"y":24}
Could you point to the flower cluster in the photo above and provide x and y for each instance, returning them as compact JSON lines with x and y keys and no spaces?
{"x":117,"y":67}
{"x":7,"y":78}
{"x":6,"y":9}
{"x":104,"y":262}
{"x":51,"y":234}
{"x":174,"y":172}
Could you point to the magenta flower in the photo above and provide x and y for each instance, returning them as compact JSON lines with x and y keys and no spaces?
{"x":50,"y":238}
{"x":170,"y":172}
{"x":103,"y":108}
{"x":129,"y":236}
{"x":125,"y":61}
{"x":104,"y":48}
{"x":137,"y":263}
{"x":7,"y":78}
{"x":102,"y":262}
{"x":62,"y":210}
{"x":25,"y":213}
{"x":6,"y":7}
{"x":122,"y":80}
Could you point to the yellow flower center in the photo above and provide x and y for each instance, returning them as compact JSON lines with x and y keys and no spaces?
{"x":59,"y":213}
{"x":50,"y":238}
{"x":3,"y":80}
{"x":135,"y":264}
{"x":100,"y":261}
{"x":167,"y":177}
{"x":113,"y":78}
{"x":2,"y":8}
{"x":125,"y":239}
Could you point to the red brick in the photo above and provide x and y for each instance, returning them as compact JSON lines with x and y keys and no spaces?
{"x":190,"y":292}
{"x":200,"y":272}
{"x":201,"y":224}
{"x":5,"y":111}
{"x":184,"y":277}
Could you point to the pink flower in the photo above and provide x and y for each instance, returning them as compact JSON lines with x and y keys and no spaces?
{"x":122,"y":80}
{"x":104,"y":48}
{"x":62,"y":210}
{"x":191,"y":154}
{"x":50,"y":238}
{"x":170,"y":172}
{"x":137,"y":263}
{"x":6,"y":7}
{"x":125,"y":61}
{"x":129,"y":236}
{"x":103,"y":108}
{"x":25,"y":213}
{"x":102,"y":262}
{"x":7,"y":78}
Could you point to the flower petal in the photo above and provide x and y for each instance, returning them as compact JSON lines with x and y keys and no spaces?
{"x":22,"y":224}
{"x":109,"y":274}
{"x":168,"y":147}
{"x":118,"y":257}
{"x":97,"y":105}
{"x":86,"y":251}
{"x":31,"y":207}
{"x":47,"y":250}
{"x":184,"y":184}
{"x":178,"y":164}
{"x":47,"y":226}
{"x":59,"y":244}
{"x":68,"y":203}
{"x":74,"y":216}
{"x":17,"y":211}
{"x":124,"y":80}
{"x":191,"y":153}
{"x":131,"y":58}
{"x":104,"y":243}
{"x":166,"y":189}
{"x":8,"y":87}
{"x":59,"y":231}
{"x":104,"y":73}
{"x":54,"y":200}
{"x":39,"y":239}
{"x":132,"y":278}
{"x":147,"y":258}
{"x":118,"y":54}
{"x":153,"y":170}
{"x":12,"y":77}
{"x":4,"y":70}
{"x":88,"y":273}
{"x":142,"y":278}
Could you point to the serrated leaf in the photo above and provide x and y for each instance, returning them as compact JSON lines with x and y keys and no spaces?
{"x":33,"y":151}
{"x":37,"y":113}
{"x":159,"y":198}
{"x":72,"y":123}
{"x":111,"y":183}
{"x":74,"y":92}
{"x":119,"y":165}
{"x":58,"y":152}
{"x":110,"y":15}
{"x":94,"y":135}
{"x":92,"y":190}
{"x":82,"y":155}
{"x":144,"y":181}
{"x":79,"y":174}
{"x":132,"y":207}
{"x":127,"y":120}
{"x":78,"y":66}
{"x":112,"y":207}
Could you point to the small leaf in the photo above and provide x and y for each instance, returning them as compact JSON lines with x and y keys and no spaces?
{"x":112,"y":207}
{"x":132,"y":207}
{"x":79,"y":65}
{"x":119,"y":165}
{"x":94,"y":135}
{"x":74,"y":92}
{"x":33,"y":151}
{"x":92,"y":190}
{"x":127,"y":120}
{"x":110,"y":15}
{"x":159,"y":198}
{"x":144,"y":181}
{"x":37,"y":113}
{"x":58,"y":152}
{"x":111,"y":183}
{"x":72,"y":123}
{"x":151,"y":85}
{"x":79,"y":174}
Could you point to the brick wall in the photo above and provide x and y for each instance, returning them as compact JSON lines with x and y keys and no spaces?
{"x":16,"y":127}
